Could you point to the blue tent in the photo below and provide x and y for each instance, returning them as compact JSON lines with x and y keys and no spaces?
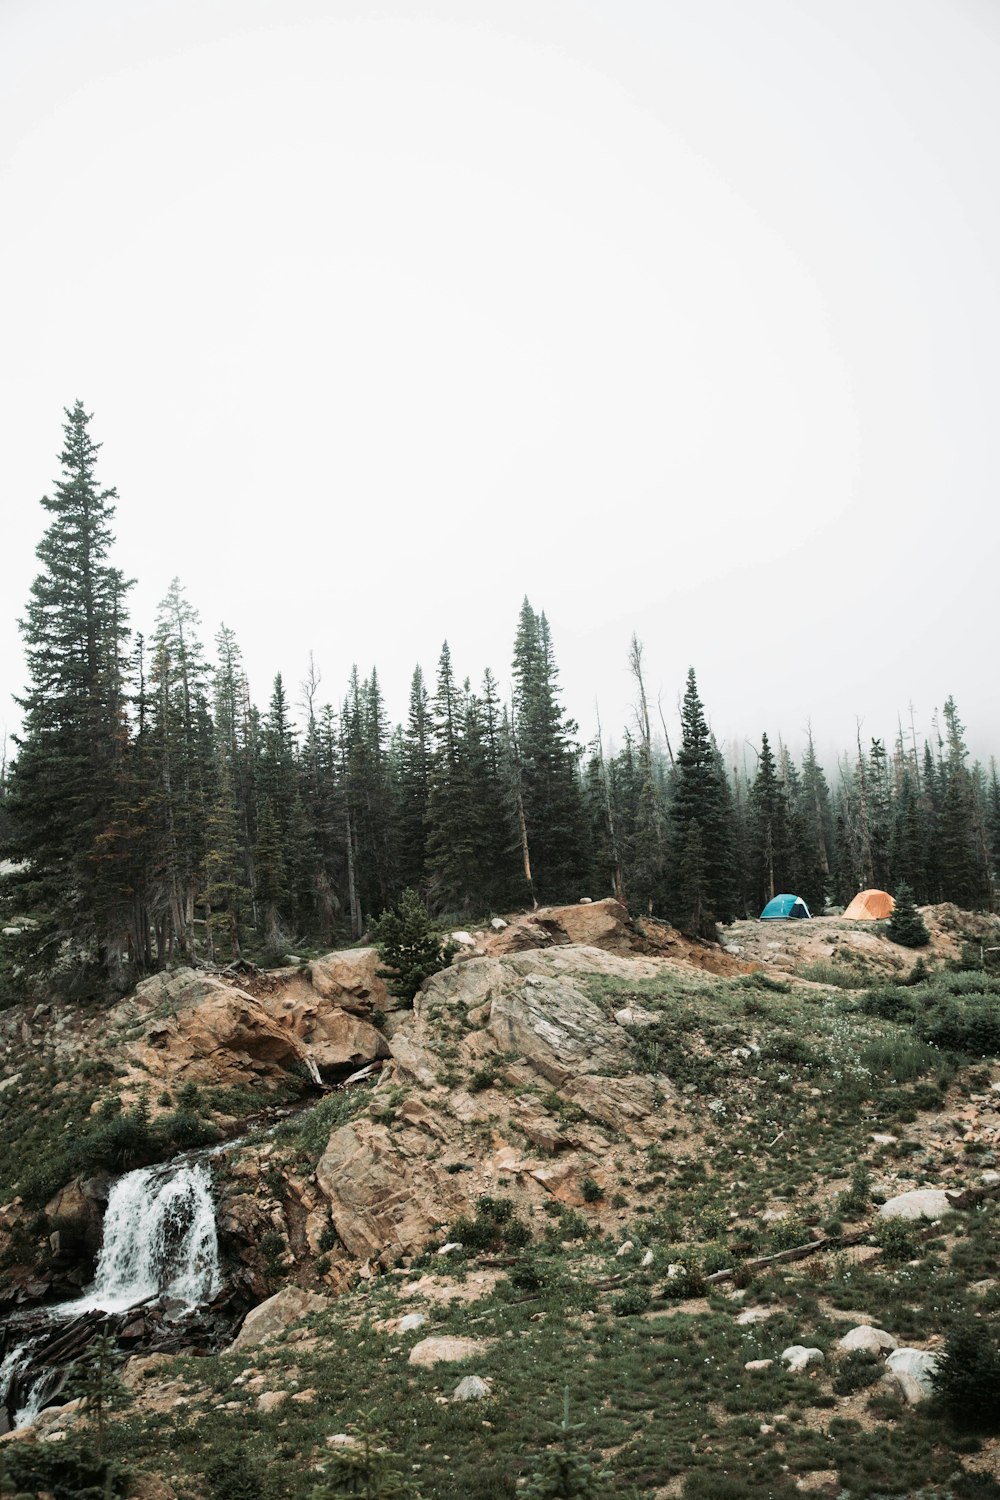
{"x":785,"y":906}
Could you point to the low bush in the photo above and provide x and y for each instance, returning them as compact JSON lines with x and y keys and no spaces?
{"x":496,"y":1227}
{"x":856,"y":1372}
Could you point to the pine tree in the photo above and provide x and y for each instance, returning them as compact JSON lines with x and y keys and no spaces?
{"x":908,"y":846}
{"x":413,"y":757}
{"x":451,"y":836}
{"x":770,"y":831}
{"x":550,"y":789}
{"x":906,"y":925}
{"x":68,"y":798}
{"x":700,"y":796}
{"x":181,"y":751}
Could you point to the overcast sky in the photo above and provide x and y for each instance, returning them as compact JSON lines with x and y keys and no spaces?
{"x":680,"y":317}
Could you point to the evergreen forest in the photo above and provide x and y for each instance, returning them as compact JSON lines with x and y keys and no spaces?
{"x":152,"y":812}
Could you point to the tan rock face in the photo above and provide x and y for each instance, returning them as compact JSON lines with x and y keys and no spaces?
{"x":216,"y":1034}
{"x":337,"y":1040}
{"x":350,"y":979}
{"x":386,"y":1197}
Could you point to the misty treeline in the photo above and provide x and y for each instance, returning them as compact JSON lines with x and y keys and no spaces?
{"x":155,"y":813}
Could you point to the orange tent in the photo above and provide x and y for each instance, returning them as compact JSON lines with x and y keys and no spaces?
{"x":871,"y":906}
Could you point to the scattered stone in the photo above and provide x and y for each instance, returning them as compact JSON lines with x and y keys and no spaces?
{"x":758,"y":1364}
{"x":498,"y":924}
{"x":472,"y":1388}
{"x":884,"y":1140}
{"x":343,"y":1440}
{"x":624,"y":1249}
{"x":306,"y":1397}
{"x":411,"y":1322}
{"x":798,"y":1358}
{"x":444,"y":1350}
{"x":585,"y":901}
{"x":647,"y":1259}
{"x":875,"y":1340}
{"x":452,"y":1247}
{"x":634,"y":1015}
{"x":922,"y":1203}
{"x":463,"y":939}
{"x":271,"y":1400}
{"x":755,"y":1315}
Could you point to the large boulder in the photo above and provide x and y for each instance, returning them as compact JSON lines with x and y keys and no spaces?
{"x":922,"y":1203}
{"x":268,"y":1319}
{"x":598,"y":924}
{"x":212,"y":1034}
{"x":445,"y":1349}
{"x":338,"y":1041}
{"x":916,"y":1365}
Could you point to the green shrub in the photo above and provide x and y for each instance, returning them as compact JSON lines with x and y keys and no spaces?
{"x":633,"y":1300}
{"x":236,"y":1475}
{"x":591,"y":1190}
{"x":496,"y":1227}
{"x":689,"y":1281}
{"x":967,"y":1377}
{"x":68,"y":1470}
{"x":856,"y":1372}
{"x":897,"y":1238}
{"x":855,"y":1201}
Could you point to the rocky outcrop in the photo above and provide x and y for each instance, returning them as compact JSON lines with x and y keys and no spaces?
{"x":211,"y":1034}
{"x":387,"y":1195}
{"x":558,"y":1030}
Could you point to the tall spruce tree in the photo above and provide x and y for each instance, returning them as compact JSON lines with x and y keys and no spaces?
{"x":68,"y":798}
{"x":413,"y":756}
{"x":550,"y":789}
{"x":700,"y":796}
{"x":770,"y":830}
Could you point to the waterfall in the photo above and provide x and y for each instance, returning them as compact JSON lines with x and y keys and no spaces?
{"x":159,"y":1244}
{"x":159,"y":1240}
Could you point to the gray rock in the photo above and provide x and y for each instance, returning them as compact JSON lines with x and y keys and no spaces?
{"x":918,"y":1364}
{"x":755,"y":1315}
{"x":411,"y":1322}
{"x":798,"y":1357}
{"x":498,"y":924}
{"x":875,"y":1340}
{"x":758,"y":1364}
{"x":900,"y":1384}
{"x":471,"y":1389}
{"x":922,"y":1203}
